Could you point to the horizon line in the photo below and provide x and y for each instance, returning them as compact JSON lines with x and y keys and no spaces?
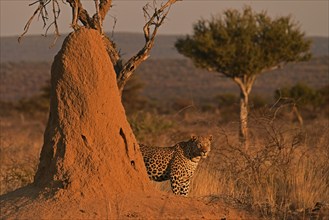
{"x":123,"y":32}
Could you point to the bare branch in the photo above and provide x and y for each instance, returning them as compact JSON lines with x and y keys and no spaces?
{"x":114,"y":24}
{"x":154,"y":21}
{"x":79,"y":13}
{"x":104,"y":7}
{"x":273,"y":68}
{"x":42,"y":12}
{"x":241,"y":85}
{"x":56,"y":15}
{"x":101,"y":10}
{"x":98,"y":19}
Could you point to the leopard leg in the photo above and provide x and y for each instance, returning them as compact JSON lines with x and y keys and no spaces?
{"x":184,"y":187}
{"x":179,"y":186}
{"x":174,"y":185}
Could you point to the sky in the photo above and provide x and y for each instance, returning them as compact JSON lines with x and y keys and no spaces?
{"x":312,"y":15}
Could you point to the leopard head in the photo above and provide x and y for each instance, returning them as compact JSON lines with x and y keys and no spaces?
{"x":200,"y":146}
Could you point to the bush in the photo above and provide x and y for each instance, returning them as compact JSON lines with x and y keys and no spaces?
{"x":304,"y":96}
{"x":131,"y":95}
{"x":7,"y":108}
{"x":148,"y":126}
{"x":31,"y":106}
{"x":226,"y":100}
{"x":257,"y":101}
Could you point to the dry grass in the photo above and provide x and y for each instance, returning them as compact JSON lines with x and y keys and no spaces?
{"x":285,"y":173}
{"x":20,"y":144}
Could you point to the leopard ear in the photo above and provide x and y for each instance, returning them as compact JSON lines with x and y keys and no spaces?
{"x":193,"y":137}
{"x":210,"y":137}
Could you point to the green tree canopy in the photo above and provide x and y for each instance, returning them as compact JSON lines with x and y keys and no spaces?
{"x":244,"y":43}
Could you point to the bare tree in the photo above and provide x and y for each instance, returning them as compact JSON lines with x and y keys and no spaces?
{"x":154,"y":17}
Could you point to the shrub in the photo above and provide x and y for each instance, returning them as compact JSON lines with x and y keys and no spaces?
{"x":36,"y":104}
{"x":148,"y":126}
{"x":17,"y":175}
{"x":7,"y":108}
{"x":131,"y":95}
{"x":226,"y":100}
{"x":304,"y":96}
{"x":257,"y":101}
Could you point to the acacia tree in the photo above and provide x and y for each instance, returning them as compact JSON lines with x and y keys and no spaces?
{"x":154,"y":19}
{"x":242,"y":46}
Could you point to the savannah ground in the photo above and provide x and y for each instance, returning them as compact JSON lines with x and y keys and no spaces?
{"x":283,"y":175}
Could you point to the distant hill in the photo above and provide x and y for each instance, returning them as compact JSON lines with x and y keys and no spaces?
{"x":170,"y":79}
{"x":36,"y":48}
{"x":320,"y":46}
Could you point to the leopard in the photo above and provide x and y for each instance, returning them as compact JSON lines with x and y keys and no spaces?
{"x":176,"y":163}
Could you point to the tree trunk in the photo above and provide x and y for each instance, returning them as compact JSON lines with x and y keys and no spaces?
{"x":243,"y":133}
{"x":298,"y":115}
{"x":245,"y":84}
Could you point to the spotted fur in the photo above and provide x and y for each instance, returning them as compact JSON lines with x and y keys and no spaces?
{"x":176,"y":163}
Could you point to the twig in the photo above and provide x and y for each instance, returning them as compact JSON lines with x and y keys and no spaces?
{"x":99,"y":19}
{"x":114,"y":24}
{"x":156,"y":20}
{"x":27,"y":25}
{"x":42,"y":12}
{"x":56,"y":15}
